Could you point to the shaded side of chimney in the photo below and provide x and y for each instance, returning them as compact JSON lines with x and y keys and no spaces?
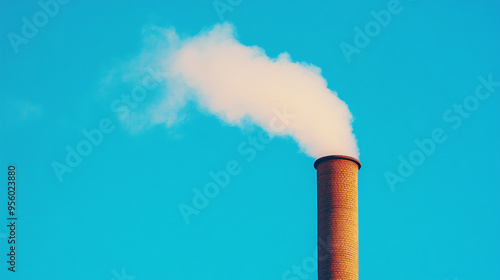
{"x":337,"y":217}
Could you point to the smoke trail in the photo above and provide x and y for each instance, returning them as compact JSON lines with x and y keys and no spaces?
{"x":240,"y":83}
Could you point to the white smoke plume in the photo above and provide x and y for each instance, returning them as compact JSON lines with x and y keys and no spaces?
{"x":241,"y":83}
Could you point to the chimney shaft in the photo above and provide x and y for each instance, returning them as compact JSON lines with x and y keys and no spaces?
{"x":337,"y":217}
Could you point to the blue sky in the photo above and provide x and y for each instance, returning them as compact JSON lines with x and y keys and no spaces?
{"x":431,"y":73}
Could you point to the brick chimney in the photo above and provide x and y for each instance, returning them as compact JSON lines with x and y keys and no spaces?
{"x":337,"y":217}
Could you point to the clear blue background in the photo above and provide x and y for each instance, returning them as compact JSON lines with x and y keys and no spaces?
{"x":119,"y":208}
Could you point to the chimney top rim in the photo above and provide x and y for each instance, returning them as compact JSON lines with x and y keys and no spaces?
{"x":325,"y":158}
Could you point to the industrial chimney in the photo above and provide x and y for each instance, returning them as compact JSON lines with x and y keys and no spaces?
{"x":337,"y":217}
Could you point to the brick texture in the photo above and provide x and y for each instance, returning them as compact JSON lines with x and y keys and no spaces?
{"x":337,"y":217}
